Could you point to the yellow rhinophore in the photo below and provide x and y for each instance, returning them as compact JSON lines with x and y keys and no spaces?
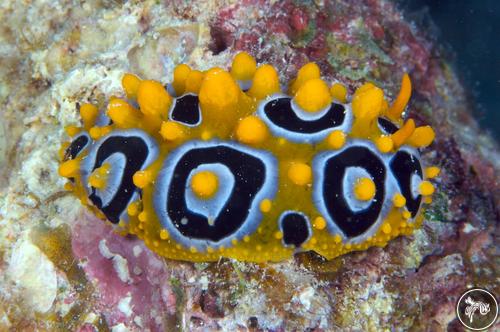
{"x":401,"y":101}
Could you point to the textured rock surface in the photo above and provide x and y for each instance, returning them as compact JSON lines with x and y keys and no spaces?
{"x":55,"y":55}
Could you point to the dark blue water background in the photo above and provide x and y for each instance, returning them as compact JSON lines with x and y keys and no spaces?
{"x":469,"y":30}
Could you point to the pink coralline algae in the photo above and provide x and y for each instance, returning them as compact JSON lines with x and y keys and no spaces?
{"x":133,"y":283}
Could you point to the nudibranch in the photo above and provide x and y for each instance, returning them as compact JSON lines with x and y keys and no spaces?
{"x":226,"y":164}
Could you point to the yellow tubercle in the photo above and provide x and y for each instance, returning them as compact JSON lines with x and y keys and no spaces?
{"x":339,"y":92}
{"x":130,"y":84}
{"x":426,"y":188}
{"x":265,"y":82}
{"x":313,"y":95}
{"x":251,"y":130}
{"x":193,"y":81}
{"x":432,"y":172}
{"x":204,"y":184}
{"x":399,"y":200}
{"x":123,"y":114}
{"x":364,"y":189}
{"x":153,"y":99}
{"x":399,"y":137}
{"x":406,"y":214}
{"x":171,"y":131}
{"x":181,"y":73}
{"x":164,"y":234}
{"x":142,"y":178}
{"x":243,"y":67}
{"x":99,"y":176}
{"x":319,"y":223}
{"x":307,"y":72}
{"x":300,"y":173}
{"x":421,"y":137}
{"x":69,"y":168}
{"x":398,"y":106}
{"x":384,"y":144}
{"x":88,"y":113}
{"x":336,"y":139}
{"x":265,"y":205}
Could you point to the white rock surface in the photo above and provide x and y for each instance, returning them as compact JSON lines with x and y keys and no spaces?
{"x":34,"y":275}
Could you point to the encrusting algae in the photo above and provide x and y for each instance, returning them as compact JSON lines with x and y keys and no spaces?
{"x":227,"y":164}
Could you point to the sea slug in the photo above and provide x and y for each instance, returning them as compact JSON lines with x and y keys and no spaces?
{"x":225,"y":164}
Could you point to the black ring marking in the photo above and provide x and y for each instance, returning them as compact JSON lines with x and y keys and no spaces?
{"x":403,"y":166}
{"x":387,"y":126}
{"x":186,"y":110}
{"x":280,"y":112}
{"x":295,"y":228}
{"x":76,"y":146}
{"x":353,"y":223}
{"x":136,"y":151}
{"x":249,"y":175}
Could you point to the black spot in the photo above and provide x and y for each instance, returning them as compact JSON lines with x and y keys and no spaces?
{"x":249,"y":175}
{"x":350,"y":222}
{"x":186,"y":110}
{"x":280,"y":112}
{"x":136,"y":151}
{"x":295,"y":229}
{"x":76,"y":146}
{"x":403,"y":166}
{"x":387,"y":126}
